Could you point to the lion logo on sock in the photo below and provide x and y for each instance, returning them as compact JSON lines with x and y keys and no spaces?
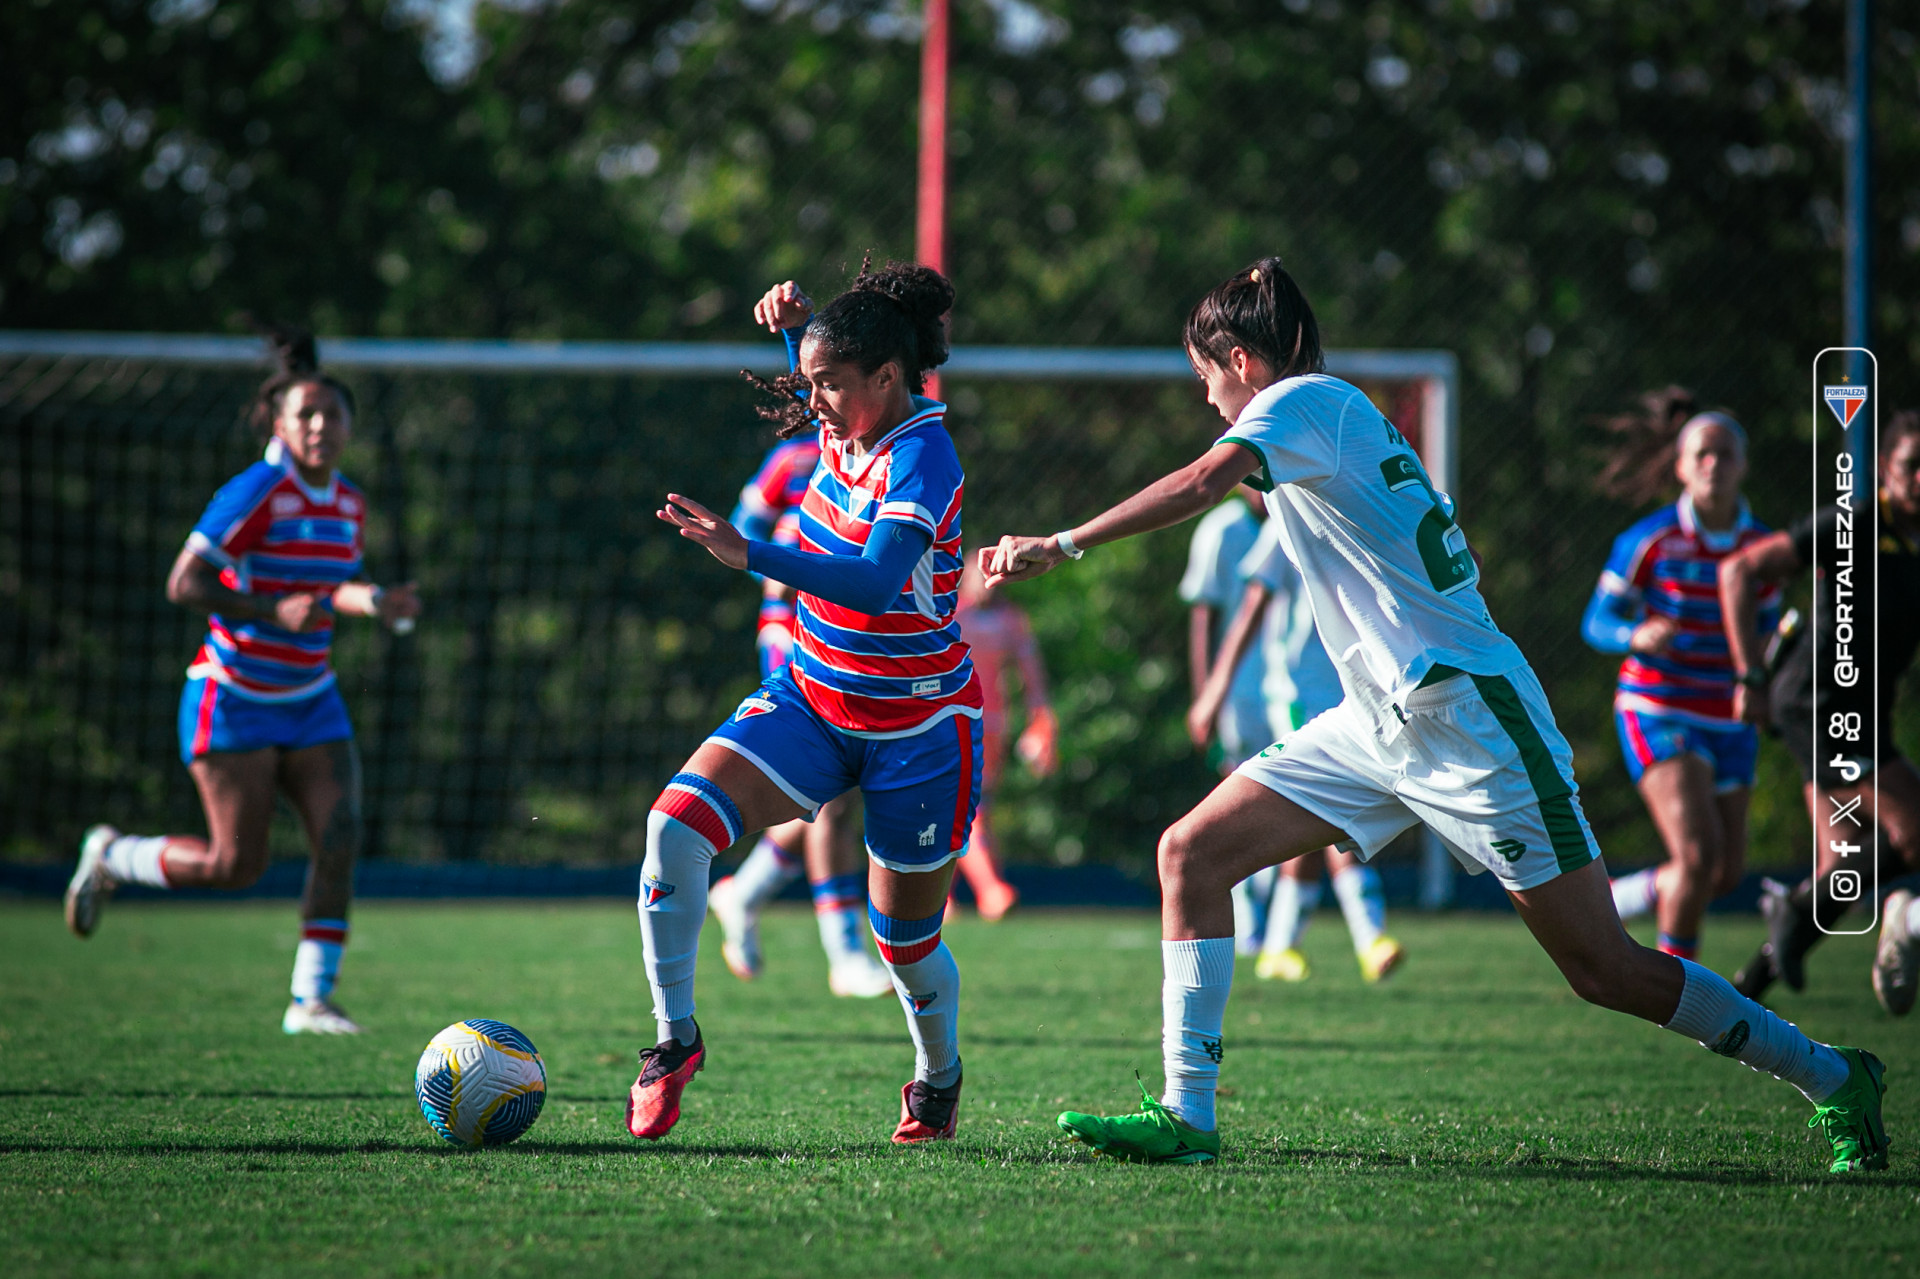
{"x":1733,"y":1041}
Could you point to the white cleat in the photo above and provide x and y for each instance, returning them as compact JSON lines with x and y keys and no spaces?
{"x":1896,"y":965}
{"x":740,"y":929}
{"x":317,"y":1017}
{"x":90,"y":886}
{"x":860,"y":977}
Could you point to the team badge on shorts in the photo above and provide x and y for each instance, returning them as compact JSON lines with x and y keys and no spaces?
{"x":755,"y":705}
{"x":656,"y":891}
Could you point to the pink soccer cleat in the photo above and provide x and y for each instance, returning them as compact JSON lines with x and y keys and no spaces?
{"x":653,"y":1105}
{"x":927,"y":1113}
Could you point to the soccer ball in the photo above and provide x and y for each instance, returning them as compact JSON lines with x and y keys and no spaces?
{"x":480,"y":1083}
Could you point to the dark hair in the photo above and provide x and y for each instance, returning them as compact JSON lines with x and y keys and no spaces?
{"x":1261,"y":309}
{"x":1639,"y":458}
{"x":296,"y":363}
{"x":893,"y":314}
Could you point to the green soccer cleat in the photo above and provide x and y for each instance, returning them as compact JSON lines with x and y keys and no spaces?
{"x":1154,"y":1136}
{"x":1851,"y":1117}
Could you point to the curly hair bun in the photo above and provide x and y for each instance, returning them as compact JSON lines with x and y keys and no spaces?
{"x":296,"y":359}
{"x":924,"y":294}
{"x":293,"y":348}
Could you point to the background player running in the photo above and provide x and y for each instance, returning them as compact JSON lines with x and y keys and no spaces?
{"x":1001,"y":639}
{"x":1298,"y":683}
{"x":1658,"y":602}
{"x":1443,"y":723}
{"x":769,"y":511}
{"x":1212,"y":587}
{"x":1889,"y":794}
{"x":880,"y":694}
{"x":275,"y":557}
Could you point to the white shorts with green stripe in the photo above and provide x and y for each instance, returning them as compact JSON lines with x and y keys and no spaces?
{"x":1479,"y":760}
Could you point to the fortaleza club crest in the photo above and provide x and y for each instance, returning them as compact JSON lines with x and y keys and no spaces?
{"x":1845,"y":401}
{"x":655,"y":890}
{"x":754,"y":706}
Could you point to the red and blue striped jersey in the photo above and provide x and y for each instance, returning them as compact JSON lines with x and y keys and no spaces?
{"x":769,"y":509}
{"x":907,"y":669}
{"x":1668,"y":566}
{"x":271,"y":534}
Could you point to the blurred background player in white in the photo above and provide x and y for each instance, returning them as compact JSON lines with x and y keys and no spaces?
{"x":1001,"y":637}
{"x":1212,"y":588}
{"x":273,"y":560}
{"x":1658,"y":603}
{"x":1443,"y":722}
{"x":769,"y":511}
{"x":1299,"y":683}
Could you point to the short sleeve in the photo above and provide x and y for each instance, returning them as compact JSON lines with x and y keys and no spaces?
{"x":237,"y":518}
{"x":1219,"y":540}
{"x":923,"y":482}
{"x":1294,"y":444}
{"x":1266,"y":562}
{"x":1628,"y":564}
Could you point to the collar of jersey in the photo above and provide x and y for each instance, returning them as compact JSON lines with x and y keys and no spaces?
{"x":1690,"y":523}
{"x":319,"y":497}
{"x":925,"y":412}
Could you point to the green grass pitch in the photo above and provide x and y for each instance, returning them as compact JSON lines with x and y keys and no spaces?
{"x":1469,"y":1116}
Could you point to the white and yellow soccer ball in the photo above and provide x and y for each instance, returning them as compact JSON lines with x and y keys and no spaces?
{"x":480,"y":1083}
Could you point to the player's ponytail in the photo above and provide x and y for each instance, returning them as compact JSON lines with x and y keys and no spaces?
{"x":897,"y":314}
{"x":1260,"y":309}
{"x":296,"y":361}
{"x":1639,"y":458}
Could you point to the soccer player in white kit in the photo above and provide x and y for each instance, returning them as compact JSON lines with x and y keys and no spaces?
{"x":1443,"y":723}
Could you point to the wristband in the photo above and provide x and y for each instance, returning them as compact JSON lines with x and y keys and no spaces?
{"x":1064,"y":539}
{"x":376,"y":595}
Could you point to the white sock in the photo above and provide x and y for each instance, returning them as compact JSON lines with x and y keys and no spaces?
{"x":1293,"y":905}
{"x":1250,"y":898}
{"x":135,"y":859}
{"x":316,"y":961}
{"x":1363,"y":900}
{"x":1193,"y":1007}
{"x":768,"y":869}
{"x":673,"y":905}
{"x":1913,"y":917}
{"x":1634,"y":895}
{"x":1727,"y":1022}
{"x":840,"y":935}
{"x":928,"y":983}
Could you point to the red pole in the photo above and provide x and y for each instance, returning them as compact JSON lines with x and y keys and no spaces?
{"x":930,"y":244}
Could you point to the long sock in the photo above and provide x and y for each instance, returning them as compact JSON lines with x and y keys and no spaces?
{"x":1250,"y":899}
{"x":768,"y":869}
{"x":838,"y":904}
{"x":1913,"y":917}
{"x":316,"y":961}
{"x":1198,"y":977}
{"x":928,"y":982}
{"x":1728,"y":1023}
{"x":1294,"y":902}
{"x":1636,"y":894}
{"x":689,"y":822}
{"x":1363,"y":900}
{"x":136,"y":859}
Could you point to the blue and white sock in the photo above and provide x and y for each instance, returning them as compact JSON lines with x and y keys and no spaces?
{"x":690,"y":821}
{"x":316,"y":961}
{"x":1198,"y":977}
{"x":768,"y":869}
{"x":928,"y":983}
{"x":137,"y":859}
{"x":838,"y":904}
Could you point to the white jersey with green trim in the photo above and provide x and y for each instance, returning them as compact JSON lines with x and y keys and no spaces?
{"x":1393,"y":586}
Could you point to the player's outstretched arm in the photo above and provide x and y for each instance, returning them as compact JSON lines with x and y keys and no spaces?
{"x":195,"y":584}
{"x":1169,"y":500}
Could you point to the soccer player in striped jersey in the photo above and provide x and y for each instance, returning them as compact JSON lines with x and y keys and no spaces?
{"x":769,"y":511}
{"x":274,"y":559}
{"x":880,"y":695}
{"x":1658,"y":602}
{"x":1443,"y":723}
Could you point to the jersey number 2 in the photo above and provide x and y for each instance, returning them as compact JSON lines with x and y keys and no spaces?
{"x":1442,"y":546}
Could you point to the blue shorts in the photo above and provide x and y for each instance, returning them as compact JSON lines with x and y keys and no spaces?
{"x":215,"y":718}
{"x":1646,"y":739}
{"x":920,"y":791}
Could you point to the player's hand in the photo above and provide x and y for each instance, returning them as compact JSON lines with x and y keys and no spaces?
{"x":1018,"y":559}
{"x":783,"y":307}
{"x":1655,"y":635}
{"x":1039,"y":745}
{"x":1201,"y":715}
{"x":398,"y":603}
{"x":299,"y":612}
{"x":698,"y":524}
{"x":1752,"y":705}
